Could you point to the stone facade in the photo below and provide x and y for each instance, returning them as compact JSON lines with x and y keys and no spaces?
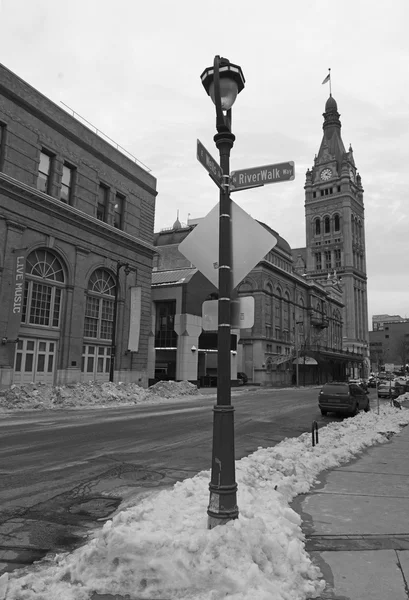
{"x":78,"y":211}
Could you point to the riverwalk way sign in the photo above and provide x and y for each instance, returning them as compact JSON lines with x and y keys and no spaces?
{"x":257,"y":176}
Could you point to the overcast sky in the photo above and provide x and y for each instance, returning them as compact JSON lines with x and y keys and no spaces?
{"x":133,"y":70}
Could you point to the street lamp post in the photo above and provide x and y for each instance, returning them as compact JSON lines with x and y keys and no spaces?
{"x":127,"y":269}
{"x":223,"y":82}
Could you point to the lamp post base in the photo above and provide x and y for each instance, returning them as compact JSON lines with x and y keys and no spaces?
{"x":222,"y":505}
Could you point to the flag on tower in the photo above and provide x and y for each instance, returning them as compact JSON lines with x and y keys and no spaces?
{"x":328,"y":77}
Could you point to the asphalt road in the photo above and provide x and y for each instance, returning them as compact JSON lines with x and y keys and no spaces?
{"x":63,"y":472}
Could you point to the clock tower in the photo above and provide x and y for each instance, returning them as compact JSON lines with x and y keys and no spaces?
{"x":335,"y":228}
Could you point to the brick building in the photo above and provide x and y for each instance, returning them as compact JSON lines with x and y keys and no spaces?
{"x":389,"y":344}
{"x":335,"y":229}
{"x":76,"y":231}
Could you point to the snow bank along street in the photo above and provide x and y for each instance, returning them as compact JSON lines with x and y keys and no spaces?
{"x":161,"y":547}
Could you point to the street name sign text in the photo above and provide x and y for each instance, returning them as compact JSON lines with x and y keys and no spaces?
{"x":257,"y":176}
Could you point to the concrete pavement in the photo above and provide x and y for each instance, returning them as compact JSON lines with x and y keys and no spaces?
{"x":356,"y":522}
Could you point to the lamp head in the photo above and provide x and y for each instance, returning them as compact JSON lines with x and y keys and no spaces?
{"x":231,"y":82}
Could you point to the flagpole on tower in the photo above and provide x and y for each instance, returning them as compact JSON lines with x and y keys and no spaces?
{"x":329,"y":75}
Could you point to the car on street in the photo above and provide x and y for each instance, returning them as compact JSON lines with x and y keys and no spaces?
{"x":343,"y":398}
{"x":360,"y":382}
{"x":389,"y":389}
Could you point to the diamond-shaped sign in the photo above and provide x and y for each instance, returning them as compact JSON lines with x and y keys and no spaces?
{"x":250,"y":243}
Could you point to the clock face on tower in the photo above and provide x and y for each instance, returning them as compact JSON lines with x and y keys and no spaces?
{"x":326,"y":174}
{"x":352,"y":174}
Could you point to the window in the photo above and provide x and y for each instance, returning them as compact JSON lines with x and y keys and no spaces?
{"x":336,"y":223}
{"x":44,"y":171}
{"x":327,"y":255}
{"x":43,"y":290}
{"x":118,"y":211}
{"x":165,"y":334}
{"x":318,"y":263}
{"x":327,"y":226}
{"x":317,"y":227}
{"x":337,"y":253}
{"x":99,"y":307}
{"x":66,"y":184}
{"x":102,"y":205}
{"x":279,"y":349}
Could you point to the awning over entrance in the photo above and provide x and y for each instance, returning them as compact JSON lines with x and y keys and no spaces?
{"x":278,"y":360}
{"x":305,"y":360}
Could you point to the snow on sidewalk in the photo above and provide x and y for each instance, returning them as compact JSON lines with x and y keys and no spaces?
{"x":161,"y":548}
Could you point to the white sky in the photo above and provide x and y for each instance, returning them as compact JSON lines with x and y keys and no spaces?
{"x":159,"y":546}
{"x":133,"y":70}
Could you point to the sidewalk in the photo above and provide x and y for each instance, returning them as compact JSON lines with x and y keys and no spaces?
{"x":356,"y":523}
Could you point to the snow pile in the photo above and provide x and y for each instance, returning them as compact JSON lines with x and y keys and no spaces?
{"x":171,"y":389}
{"x":89,"y":395}
{"x":162,"y":548}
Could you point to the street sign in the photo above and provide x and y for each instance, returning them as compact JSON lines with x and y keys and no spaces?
{"x":250,"y":243}
{"x":242,"y":313}
{"x":257,"y":176}
{"x":207,"y":160}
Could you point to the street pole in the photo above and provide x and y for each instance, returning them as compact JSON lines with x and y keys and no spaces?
{"x":119,"y":266}
{"x":223,"y":487}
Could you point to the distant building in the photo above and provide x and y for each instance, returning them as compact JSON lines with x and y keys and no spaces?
{"x":335,"y":228}
{"x":71,"y":207}
{"x":379,"y":320}
{"x":297,"y":320}
{"x":389,"y":344}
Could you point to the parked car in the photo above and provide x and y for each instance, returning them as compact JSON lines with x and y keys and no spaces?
{"x":372,"y":381}
{"x":343,"y":398}
{"x":388,"y":389}
{"x":242,"y":377}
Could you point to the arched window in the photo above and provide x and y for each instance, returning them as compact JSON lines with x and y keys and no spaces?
{"x":317,"y":226}
{"x":327,"y":226}
{"x":336,"y":223}
{"x":43,"y":290}
{"x":99,"y":308}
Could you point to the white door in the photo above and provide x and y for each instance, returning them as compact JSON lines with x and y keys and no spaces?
{"x":35,"y":361}
{"x":95,"y":363}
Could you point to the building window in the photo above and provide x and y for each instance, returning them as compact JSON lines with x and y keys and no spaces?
{"x":99,"y":307}
{"x":337,"y":253}
{"x":317,"y":227}
{"x":66,"y":184}
{"x":43,"y":290}
{"x":318,"y":263}
{"x":327,"y":255}
{"x":165,"y":334}
{"x":327,"y":225}
{"x":102,"y":205}
{"x":119,"y":211}
{"x":44,"y":172}
{"x":279,"y":349}
{"x":314,"y":194}
{"x":336,"y":223}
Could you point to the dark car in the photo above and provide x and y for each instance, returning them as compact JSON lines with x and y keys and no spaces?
{"x":343,"y":398}
{"x":242,"y":377}
{"x":389,"y":389}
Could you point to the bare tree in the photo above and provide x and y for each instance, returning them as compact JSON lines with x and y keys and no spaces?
{"x":402,"y":349}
